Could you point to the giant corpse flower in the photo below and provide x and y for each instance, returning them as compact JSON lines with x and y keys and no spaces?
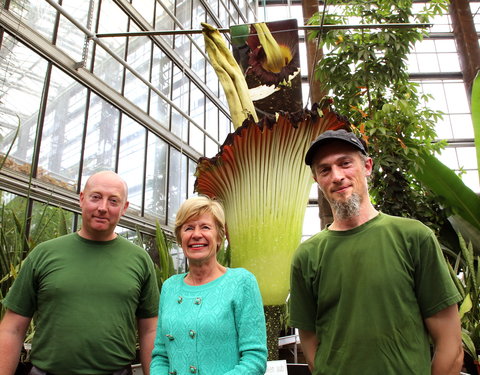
{"x":261,"y":178}
{"x":259,"y":173}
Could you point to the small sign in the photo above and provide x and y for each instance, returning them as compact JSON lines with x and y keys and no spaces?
{"x":277,"y":367}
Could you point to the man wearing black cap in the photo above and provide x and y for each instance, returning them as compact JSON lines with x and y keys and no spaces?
{"x":369,"y":291}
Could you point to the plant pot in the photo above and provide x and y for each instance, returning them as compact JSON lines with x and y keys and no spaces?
{"x":298,"y":369}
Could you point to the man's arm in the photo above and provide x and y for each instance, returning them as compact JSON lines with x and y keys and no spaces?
{"x":445,"y":329}
{"x":146,"y":334}
{"x":309,"y":342}
{"x":12,"y":333}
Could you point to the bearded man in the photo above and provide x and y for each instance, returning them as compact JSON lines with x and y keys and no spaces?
{"x":371,"y":293}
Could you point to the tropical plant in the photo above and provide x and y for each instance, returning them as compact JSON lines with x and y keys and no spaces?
{"x":159,"y":248}
{"x":15,"y":244}
{"x":467,"y":265}
{"x":164,"y":269}
{"x":448,"y":189}
{"x":366,"y":72}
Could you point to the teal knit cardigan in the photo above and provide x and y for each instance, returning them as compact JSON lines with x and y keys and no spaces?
{"x":213,"y":329}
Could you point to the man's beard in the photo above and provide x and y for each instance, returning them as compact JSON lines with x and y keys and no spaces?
{"x":346,"y":209}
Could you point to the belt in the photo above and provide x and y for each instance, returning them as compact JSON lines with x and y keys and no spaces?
{"x":127,"y":370}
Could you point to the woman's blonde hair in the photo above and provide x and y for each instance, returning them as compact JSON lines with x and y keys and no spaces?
{"x":197,"y":206}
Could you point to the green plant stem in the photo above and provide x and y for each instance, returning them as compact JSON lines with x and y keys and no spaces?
{"x":274,"y":317}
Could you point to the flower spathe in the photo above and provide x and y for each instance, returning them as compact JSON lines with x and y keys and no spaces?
{"x":260,"y":177}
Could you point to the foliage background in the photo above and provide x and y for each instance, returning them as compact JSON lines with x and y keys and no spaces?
{"x":366,"y":71}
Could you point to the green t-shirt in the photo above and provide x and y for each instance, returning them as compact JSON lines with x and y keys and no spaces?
{"x":366,"y":293}
{"x":86,"y":296}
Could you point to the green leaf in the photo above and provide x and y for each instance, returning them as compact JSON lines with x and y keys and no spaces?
{"x":466,"y":305}
{"x":475,"y":107}
{"x":163,"y":245}
{"x":468,"y":232}
{"x":62,"y":227}
{"x":468,"y":344}
{"x":447,"y":185}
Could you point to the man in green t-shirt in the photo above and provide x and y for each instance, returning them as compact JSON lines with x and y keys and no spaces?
{"x":372,"y":292}
{"x":91,"y":292}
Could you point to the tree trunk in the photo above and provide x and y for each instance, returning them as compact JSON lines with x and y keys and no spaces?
{"x":309,"y":8}
{"x":466,"y":40}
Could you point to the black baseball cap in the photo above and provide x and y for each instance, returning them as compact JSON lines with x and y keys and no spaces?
{"x":332,"y":135}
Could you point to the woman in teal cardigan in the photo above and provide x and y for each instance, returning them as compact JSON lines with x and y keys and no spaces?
{"x":211,"y":319}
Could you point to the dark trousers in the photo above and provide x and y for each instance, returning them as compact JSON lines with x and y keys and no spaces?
{"x":127,"y":370}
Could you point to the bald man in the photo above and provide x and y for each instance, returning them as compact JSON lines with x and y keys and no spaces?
{"x":91,"y":291}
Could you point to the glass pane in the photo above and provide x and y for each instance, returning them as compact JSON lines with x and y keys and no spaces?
{"x":180,"y":94}
{"x":161,"y":77}
{"x":198,"y":16}
{"x":112,"y":19}
{"x":212,"y":120}
{"x":108,"y":69}
{"x":436,"y":89}
{"x":197,"y":139}
{"x":139,"y":52}
{"x":132,"y":160}
{"x":449,"y":62}
{"x":179,"y":262}
{"x":145,"y":8}
{"x":443,"y":128}
{"x":183,"y":12}
{"x":102,"y":133}
{"x":60,"y":150}
{"x":70,"y":39}
{"x":21,"y":84}
{"x":192,"y":167}
{"x":470,"y":178}
{"x":448,"y":156}
{"x":462,"y":126}
{"x":127,"y":233}
{"x":211,"y":114}
{"x":428,"y":62}
{"x":163,"y":20}
{"x":156,"y":180}
{"x":39,"y":15}
{"x":456,"y":97}
{"x":225,"y":127}
{"x":177,"y":183}
{"x":211,"y":148}
{"x":223,"y":14}
{"x":182,"y":47}
{"x":467,"y":157}
{"x":445,"y":45}
{"x":197,"y":105}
